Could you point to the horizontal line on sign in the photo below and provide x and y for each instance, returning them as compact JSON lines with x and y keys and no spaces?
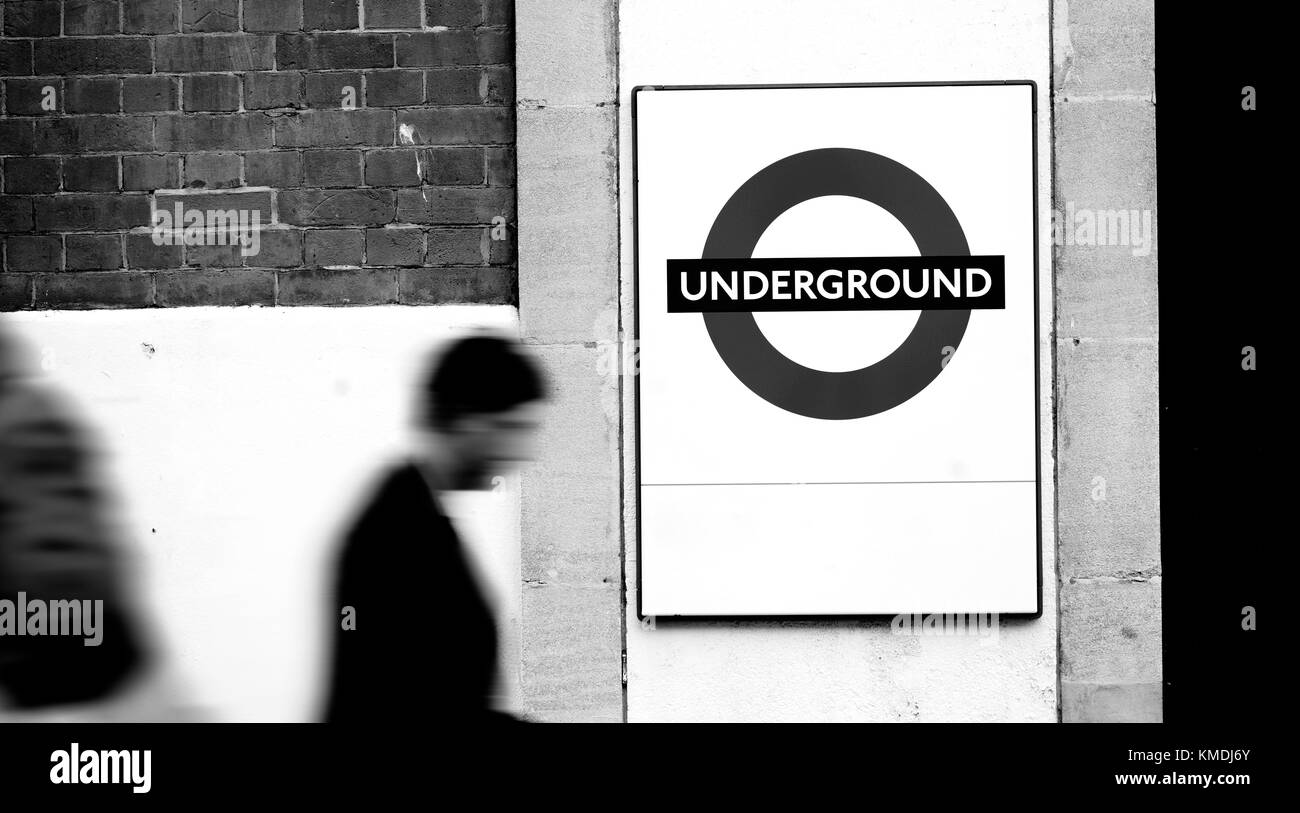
{"x":848,"y":483}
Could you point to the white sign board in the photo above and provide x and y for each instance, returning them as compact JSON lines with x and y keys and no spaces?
{"x":837,"y":333}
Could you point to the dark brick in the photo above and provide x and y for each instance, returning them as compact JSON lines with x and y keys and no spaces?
{"x":90,"y":174}
{"x":215,"y":52}
{"x":455,"y":247}
{"x":94,"y":55}
{"x":453,"y":13}
{"x":329,"y":15}
{"x":393,"y":14}
{"x":453,"y":48}
{"x":500,"y":252}
{"x":233,"y":287}
{"x":28,"y":175}
{"x":501,"y":166}
{"x":344,"y":207}
{"x":212,"y":170}
{"x":150,"y":17}
{"x":150,"y":172}
{"x":94,"y":289}
{"x":240,"y":131}
{"x":149,"y":94}
{"x":462,"y":125}
{"x":94,"y":252}
{"x":394,"y":247}
{"x":455,"y":205}
{"x":394,"y":88}
{"x":392,"y":167}
{"x":34,"y":253}
{"x":442,"y":286}
{"x":15,"y":58}
{"x":279,"y":248}
{"x":24,"y":97}
{"x":267,"y":90}
{"x":17,"y":137}
{"x":220,"y":200}
{"x":280,"y":169}
{"x":31,"y":18}
{"x":273,"y":15}
{"x":319,"y":286}
{"x":330,"y":247}
{"x":230,"y":255}
{"x":143,"y":252}
{"x":95,"y":134}
{"x":91,"y":95}
{"x":498,"y":86}
{"x":83,"y":18}
{"x":325,"y":90}
{"x":498,"y":12}
{"x":211,"y":93}
{"x":198,"y":16}
{"x":454,"y":166}
{"x":91,"y":212}
{"x":15,"y":291}
{"x":331,"y":167}
{"x":326,"y":51}
{"x":15,"y":214}
{"x":335,"y":128}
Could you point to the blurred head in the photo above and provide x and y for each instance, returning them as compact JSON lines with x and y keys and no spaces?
{"x":482,"y":410}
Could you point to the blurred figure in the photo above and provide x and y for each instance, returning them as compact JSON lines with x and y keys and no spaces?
{"x":424,"y":636}
{"x":56,"y":545}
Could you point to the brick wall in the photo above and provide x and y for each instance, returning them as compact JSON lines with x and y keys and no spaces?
{"x":113,"y":109}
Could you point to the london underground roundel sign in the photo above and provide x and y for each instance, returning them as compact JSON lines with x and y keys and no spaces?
{"x":774,"y":477}
{"x":791,"y":181}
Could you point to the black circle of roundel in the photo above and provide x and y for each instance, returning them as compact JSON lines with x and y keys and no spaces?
{"x":760,"y":201}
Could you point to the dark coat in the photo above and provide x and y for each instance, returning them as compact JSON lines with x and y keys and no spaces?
{"x":425,"y":639}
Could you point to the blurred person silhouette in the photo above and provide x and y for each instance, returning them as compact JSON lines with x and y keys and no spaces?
{"x":57,"y":545}
{"x":424,"y":635}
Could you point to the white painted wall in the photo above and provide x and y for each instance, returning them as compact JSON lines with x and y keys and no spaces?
{"x":846,"y":670}
{"x":239,"y":441}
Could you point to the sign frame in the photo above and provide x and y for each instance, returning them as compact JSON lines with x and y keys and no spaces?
{"x":636,"y":338}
